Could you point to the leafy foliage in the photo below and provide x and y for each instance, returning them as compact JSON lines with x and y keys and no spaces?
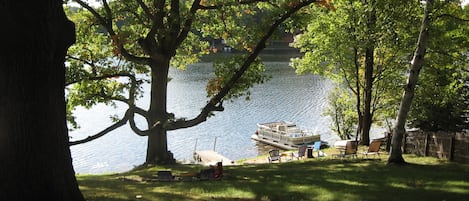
{"x":335,"y":45}
{"x":122,"y":44}
{"x":227,"y":68}
{"x":440,"y":102}
{"x":438,"y":105}
{"x":341,"y":110}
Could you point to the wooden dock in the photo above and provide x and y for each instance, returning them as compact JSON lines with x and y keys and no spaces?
{"x":208,"y":157}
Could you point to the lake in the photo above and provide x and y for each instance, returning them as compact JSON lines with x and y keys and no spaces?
{"x":286,"y":96}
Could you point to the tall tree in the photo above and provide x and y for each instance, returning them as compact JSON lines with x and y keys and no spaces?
{"x":395,"y":155}
{"x":431,"y":13}
{"x":34,"y":153}
{"x":360,"y":45}
{"x":143,"y":36}
{"x":445,"y":70}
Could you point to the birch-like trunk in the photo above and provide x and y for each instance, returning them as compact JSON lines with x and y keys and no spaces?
{"x":395,"y":156}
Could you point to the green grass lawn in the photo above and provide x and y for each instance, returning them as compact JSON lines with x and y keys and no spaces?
{"x":309,"y":179}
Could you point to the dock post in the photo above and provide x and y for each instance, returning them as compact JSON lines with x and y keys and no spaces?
{"x":215,"y":143}
{"x":195,"y":147}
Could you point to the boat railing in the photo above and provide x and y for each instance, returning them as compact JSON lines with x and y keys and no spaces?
{"x":284,"y":136}
{"x":273,"y":134}
{"x":291,"y":136}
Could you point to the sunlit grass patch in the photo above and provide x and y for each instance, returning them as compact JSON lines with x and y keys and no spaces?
{"x":309,"y":179}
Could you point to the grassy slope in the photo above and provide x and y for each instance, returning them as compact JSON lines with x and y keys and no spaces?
{"x":310,"y":179}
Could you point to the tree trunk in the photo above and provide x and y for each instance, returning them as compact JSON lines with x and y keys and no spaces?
{"x":358,"y":95}
{"x":34,"y":153}
{"x":395,"y":156}
{"x":157,"y":147}
{"x":369,"y":66}
{"x":367,"y":118}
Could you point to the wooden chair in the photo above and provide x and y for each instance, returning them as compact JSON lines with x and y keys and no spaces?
{"x":347,"y":148}
{"x":301,"y":152}
{"x":373,"y":149}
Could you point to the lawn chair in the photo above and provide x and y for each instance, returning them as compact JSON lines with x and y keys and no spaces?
{"x":347,"y":148}
{"x":274,"y":155}
{"x":373,"y":149}
{"x":351,"y":149}
{"x":301,"y":152}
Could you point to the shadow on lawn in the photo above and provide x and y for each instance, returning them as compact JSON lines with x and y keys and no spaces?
{"x":299,"y":180}
{"x":356,"y":180}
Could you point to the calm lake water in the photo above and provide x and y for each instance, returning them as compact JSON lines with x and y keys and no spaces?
{"x":287,"y":96}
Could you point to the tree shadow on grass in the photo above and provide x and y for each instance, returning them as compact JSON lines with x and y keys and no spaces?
{"x":299,"y":180}
{"x":359,"y":180}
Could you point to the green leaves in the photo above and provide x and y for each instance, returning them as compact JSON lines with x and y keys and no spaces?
{"x":336,"y":44}
{"x":440,"y":102}
{"x":132,"y":37}
{"x":342,"y":112}
{"x":225,"y":69}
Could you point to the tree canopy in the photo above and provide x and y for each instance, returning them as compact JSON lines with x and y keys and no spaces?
{"x":363,"y":46}
{"x":120,"y":40}
{"x":440,"y":102}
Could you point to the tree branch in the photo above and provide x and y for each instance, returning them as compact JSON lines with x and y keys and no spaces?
{"x":174,"y":19}
{"x":114,"y":126}
{"x":215,"y":103}
{"x":158,"y":20}
{"x":129,"y":114}
{"x":93,"y":11}
{"x":187,"y":24}
{"x":108,"y":13}
{"x":453,"y":17}
{"x":107,"y":24}
{"x":140,"y":20}
{"x":82,"y":60}
{"x":132,"y":123}
{"x":102,"y":77}
{"x":240,"y":2}
{"x":145,"y":9}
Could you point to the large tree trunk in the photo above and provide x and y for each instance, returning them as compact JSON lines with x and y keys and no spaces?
{"x":369,"y":67}
{"x":35,"y":158}
{"x":367,"y":118}
{"x":395,"y":156}
{"x":157,"y":148}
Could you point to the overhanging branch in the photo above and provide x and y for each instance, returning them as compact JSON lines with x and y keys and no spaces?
{"x":129,"y":114}
{"x":102,"y":77}
{"x":218,"y":6}
{"x":215,"y":103}
{"x":114,"y":126}
{"x":106,"y":22}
